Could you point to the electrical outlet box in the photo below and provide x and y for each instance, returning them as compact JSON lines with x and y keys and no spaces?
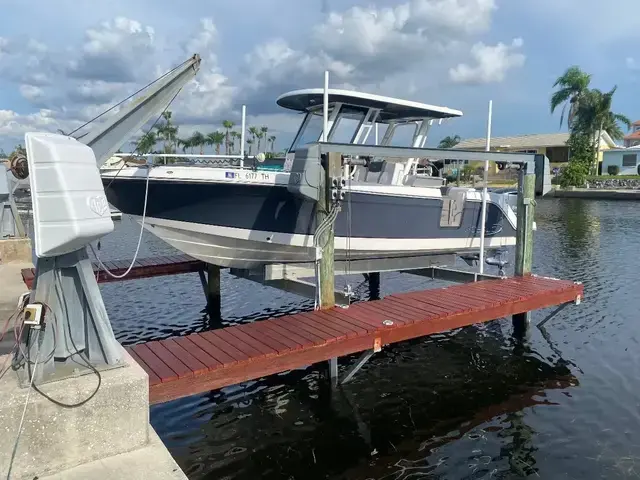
{"x":33,"y":314}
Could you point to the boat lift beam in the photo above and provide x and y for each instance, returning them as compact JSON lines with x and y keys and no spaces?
{"x":525,"y":160}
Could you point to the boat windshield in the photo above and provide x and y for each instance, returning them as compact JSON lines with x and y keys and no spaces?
{"x":310,"y":131}
{"x":348,"y":123}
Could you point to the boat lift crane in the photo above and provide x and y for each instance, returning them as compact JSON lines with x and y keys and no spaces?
{"x":66,"y":329}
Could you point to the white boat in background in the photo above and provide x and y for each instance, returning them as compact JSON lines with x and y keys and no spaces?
{"x":236,"y":215}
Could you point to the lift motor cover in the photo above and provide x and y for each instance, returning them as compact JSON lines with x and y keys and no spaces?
{"x":306,"y":173}
{"x":70,"y":208}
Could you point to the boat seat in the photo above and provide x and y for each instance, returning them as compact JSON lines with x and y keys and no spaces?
{"x":360,"y":174}
{"x":389,"y":170}
{"x":453,"y":206}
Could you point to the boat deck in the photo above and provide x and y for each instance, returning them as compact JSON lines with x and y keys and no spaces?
{"x":200,"y":362}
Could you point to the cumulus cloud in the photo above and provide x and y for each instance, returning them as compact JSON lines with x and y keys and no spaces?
{"x":113,"y":51}
{"x":366,"y":46}
{"x":31,"y":92}
{"x":363,"y":48}
{"x":491,"y":63}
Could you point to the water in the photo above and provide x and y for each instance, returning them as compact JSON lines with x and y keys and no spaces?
{"x":469,"y":404}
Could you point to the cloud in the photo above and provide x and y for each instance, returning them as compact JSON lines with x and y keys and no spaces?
{"x":403,"y":49}
{"x":491,"y":63}
{"x":31,"y":92}
{"x":632,"y":63}
{"x":113,"y":51}
{"x":366,"y":46}
{"x":4,"y":46}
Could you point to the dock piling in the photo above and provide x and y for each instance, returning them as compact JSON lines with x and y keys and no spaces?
{"x":332,"y":165}
{"x":524,"y":233}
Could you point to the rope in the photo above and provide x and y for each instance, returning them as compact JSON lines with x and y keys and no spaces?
{"x":135,"y":256}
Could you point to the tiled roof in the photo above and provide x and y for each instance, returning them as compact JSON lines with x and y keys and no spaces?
{"x":519,"y":141}
{"x":526,"y":141}
{"x":633,"y":136}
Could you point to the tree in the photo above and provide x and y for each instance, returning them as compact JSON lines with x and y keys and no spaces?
{"x":228,"y":125}
{"x":3,"y":154}
{"x":272,"y":140}
{"x":234,"y":136}
{"x":593,"y":115}
{"x":253,"y":131}
{"x":217,"y":139}
{"x":449,"y":141}
{"x":262,"y":134}
{"x":198,"y":140}
{"x":572,"y":87}
{"x":186,"y":143}
{"x":146,"y":143}
{"x":167,"y":133}
{"x":250,"y":142}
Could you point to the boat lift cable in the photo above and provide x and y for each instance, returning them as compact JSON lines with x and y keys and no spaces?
{"x":135,"y":255}
{"x":128,"y":98}
{"x":137,"y":146}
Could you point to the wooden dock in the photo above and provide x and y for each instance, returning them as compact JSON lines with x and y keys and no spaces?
{"x":143,"y":268}
{"x":183,"y":366}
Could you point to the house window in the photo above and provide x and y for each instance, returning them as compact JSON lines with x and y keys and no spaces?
{"x":629,"y":160}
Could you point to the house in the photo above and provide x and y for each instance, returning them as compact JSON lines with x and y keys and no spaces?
{"x":633,"y":139}
{"x":626,"y":159}
{"x":553,"y":145}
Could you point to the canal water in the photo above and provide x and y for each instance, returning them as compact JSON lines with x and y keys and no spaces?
{"x":474,"y":403}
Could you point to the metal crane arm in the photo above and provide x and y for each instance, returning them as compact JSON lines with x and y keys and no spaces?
{"x":106,"y":138}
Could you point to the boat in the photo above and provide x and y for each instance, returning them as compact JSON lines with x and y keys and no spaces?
{"x":242,"y":213}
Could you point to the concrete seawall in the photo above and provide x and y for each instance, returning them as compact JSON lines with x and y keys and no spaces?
{"x":595,"y":194}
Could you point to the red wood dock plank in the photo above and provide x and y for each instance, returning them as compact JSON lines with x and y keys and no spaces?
{"x":156,"y":365}
{"x":143,"y":268}
{"x":251,"y":351}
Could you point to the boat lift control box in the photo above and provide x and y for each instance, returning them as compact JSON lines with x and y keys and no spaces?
{"x":70,"y":208}
{"x":306,"y":173}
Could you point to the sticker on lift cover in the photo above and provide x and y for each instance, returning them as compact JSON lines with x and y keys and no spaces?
{"x":229,"y":174}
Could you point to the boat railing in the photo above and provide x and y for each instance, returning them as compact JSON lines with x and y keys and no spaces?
{"x":215,"y":160}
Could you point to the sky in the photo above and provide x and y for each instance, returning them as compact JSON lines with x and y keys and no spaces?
{"x":65,"y":61}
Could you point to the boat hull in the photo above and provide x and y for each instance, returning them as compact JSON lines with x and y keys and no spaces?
{"x":246,"y":226}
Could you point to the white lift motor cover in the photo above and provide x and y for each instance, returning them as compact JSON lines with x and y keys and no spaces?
{"x":70,"y":208}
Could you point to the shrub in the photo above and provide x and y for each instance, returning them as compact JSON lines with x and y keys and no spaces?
{"x":613,"y":169}
{"x":575,"y":174}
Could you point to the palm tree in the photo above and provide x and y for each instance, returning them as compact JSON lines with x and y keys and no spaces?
{"x":228,"y":125}
{"x":272,"y":140}
{"x":217,"y":139}
{"x":186,"y":143}
{"x":250,"y":142}
{"x":198,"y":140}
{"x":146,"y":143}
{"x":253,"y":131}
{"x":572,"y":87}
{"x":263,"y":134}
{"x":449,"y":141}
{"x":234,"y":136}
{"x":594,"y":116}
{"x":167,"y":132}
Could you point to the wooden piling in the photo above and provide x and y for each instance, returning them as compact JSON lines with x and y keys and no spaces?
{"x":332,"y":163}
{"x":214,"y":301}
{"x":524,"y":234}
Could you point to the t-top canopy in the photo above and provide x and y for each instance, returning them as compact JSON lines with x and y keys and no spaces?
{"x":390,"y":108}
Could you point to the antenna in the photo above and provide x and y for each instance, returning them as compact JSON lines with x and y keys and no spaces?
{"x":483,"y":213}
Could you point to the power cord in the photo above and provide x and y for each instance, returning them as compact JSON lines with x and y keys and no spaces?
{"x":24,"y":411}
